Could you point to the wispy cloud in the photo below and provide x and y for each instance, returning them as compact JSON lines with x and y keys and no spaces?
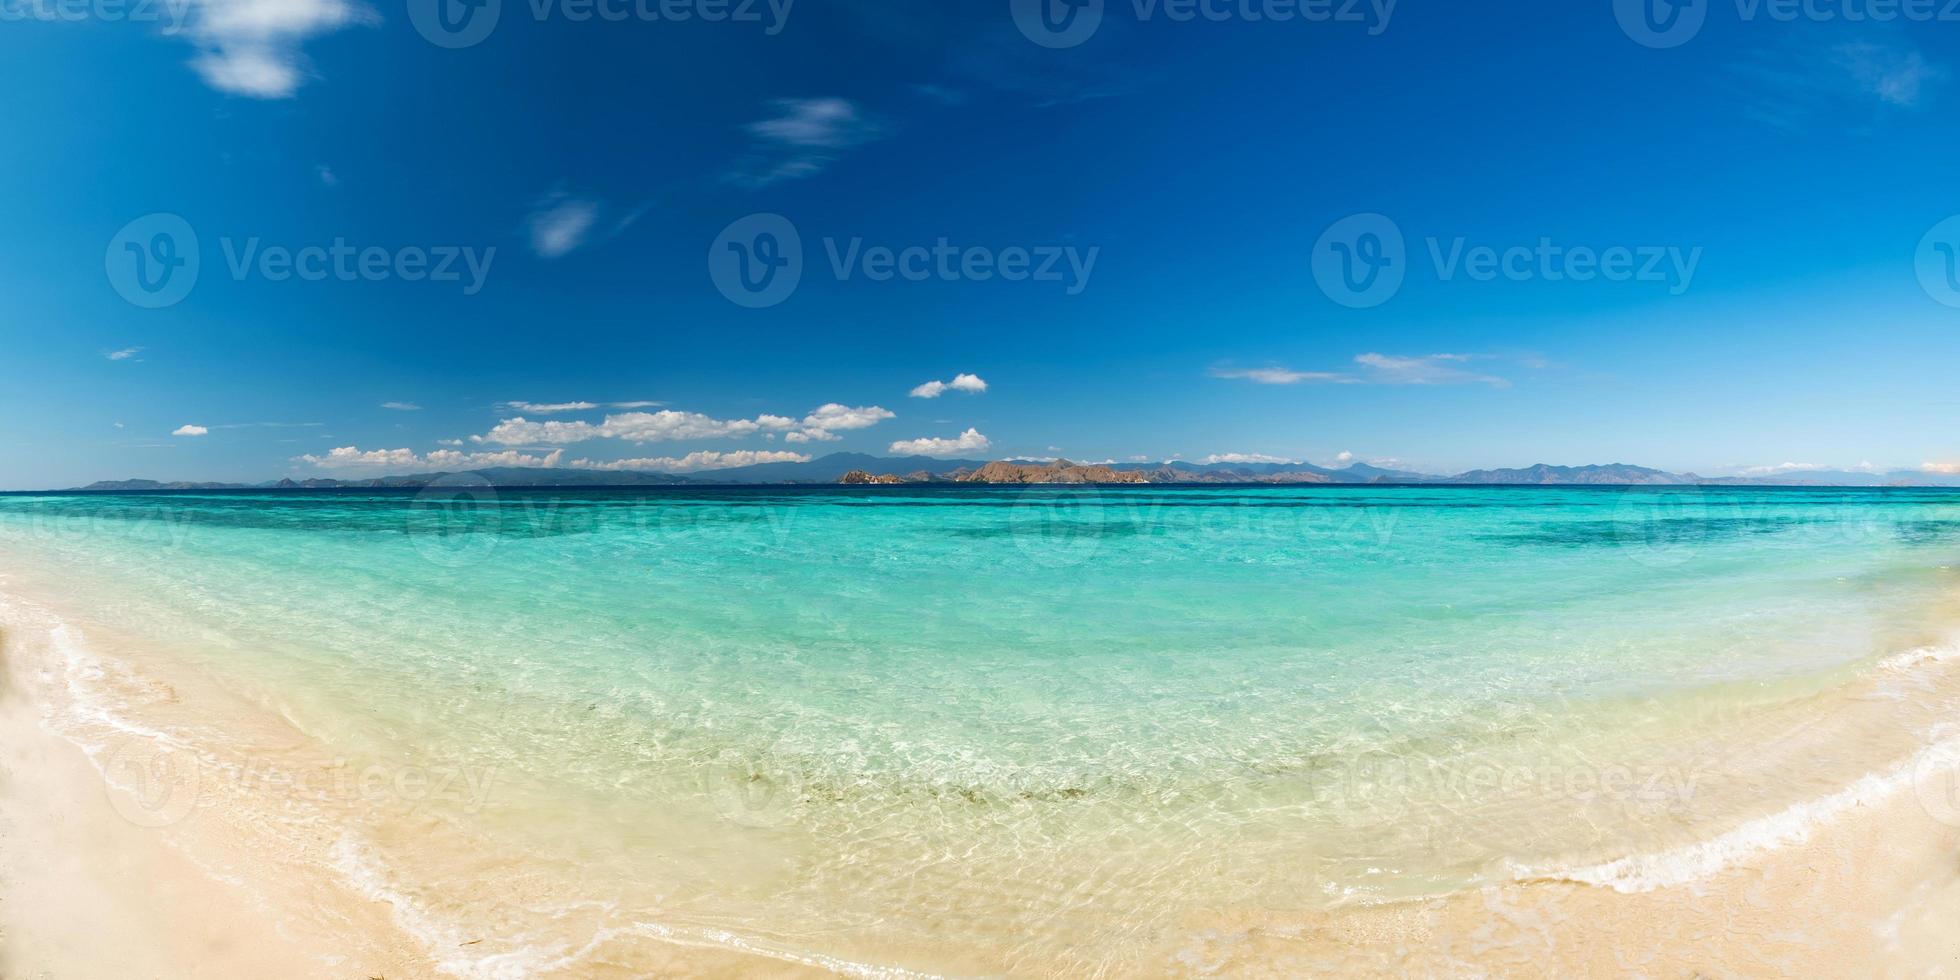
{"x":326,"y":175}
{"x":940,"y":94}
{"x":1378,"y":369}
{"x":401,"y":406}
{"x":561,"y":223}
{"x":126,"y":354}
{"x":1798,"y":86}
{"x":191,"y":431}
{"x":804,"y":137}
{"x":970,"y":441}
{"x":969,"y":383}
{"x":1433,"y":369}
{"x":1283,"y":376}
{"x":1898,"y":76}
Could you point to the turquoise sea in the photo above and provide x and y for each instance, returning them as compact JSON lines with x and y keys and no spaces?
{"x":979,"y":729}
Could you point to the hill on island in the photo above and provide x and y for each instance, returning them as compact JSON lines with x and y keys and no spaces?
{"x":862,"y":469}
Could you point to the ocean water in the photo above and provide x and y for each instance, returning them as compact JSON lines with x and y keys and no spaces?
{"x":986,"y":729}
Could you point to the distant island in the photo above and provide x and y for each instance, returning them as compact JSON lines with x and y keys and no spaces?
{"x":858,"y":469}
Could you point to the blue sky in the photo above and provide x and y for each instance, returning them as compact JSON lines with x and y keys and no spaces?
{"x":1726,"y":254}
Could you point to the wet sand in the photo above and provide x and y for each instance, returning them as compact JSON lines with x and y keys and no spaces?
{"x":98,"y":883}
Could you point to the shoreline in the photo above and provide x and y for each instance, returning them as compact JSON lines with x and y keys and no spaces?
{"x":1868,"y":872}
{"x":102,"y":880}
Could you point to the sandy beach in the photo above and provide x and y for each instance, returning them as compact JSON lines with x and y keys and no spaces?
{"x":91,"y":891}
{"x":99,"y":881}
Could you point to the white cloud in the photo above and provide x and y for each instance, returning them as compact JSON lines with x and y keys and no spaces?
{"x":969,"y":383}
{"x":970,"y":441}
{"x":122,"y":355}
{"x":803,"y":139}
{"x":1344,"y":457}
{"x":252,"y":47}
{"x":549,"y":408}
{"x":835,"y":416}
{"x":326,"y":175}
{"x":693,"y":461}
{"x":351,"y":457}
{"x":560,"y":408}
{"x":1242,"y":458}
{"x":401,"y":406}
{"x":1947,"y":469}
{"x":673,"y":426}
{"x":1283,"y":376}
{"x":191,"y":430}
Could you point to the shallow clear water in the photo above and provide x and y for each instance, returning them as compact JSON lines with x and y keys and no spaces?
{"x":978,"y":729}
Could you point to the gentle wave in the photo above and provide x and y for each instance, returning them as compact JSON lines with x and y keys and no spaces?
{"x":1794,"y":825}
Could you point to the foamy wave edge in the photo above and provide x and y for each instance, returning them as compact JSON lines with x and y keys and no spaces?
{"x":443,"y":941}
{"x":355,"y":869}
{"x":1703,"y":860}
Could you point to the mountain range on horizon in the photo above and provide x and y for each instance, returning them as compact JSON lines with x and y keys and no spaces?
{"x":860,"y":468}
